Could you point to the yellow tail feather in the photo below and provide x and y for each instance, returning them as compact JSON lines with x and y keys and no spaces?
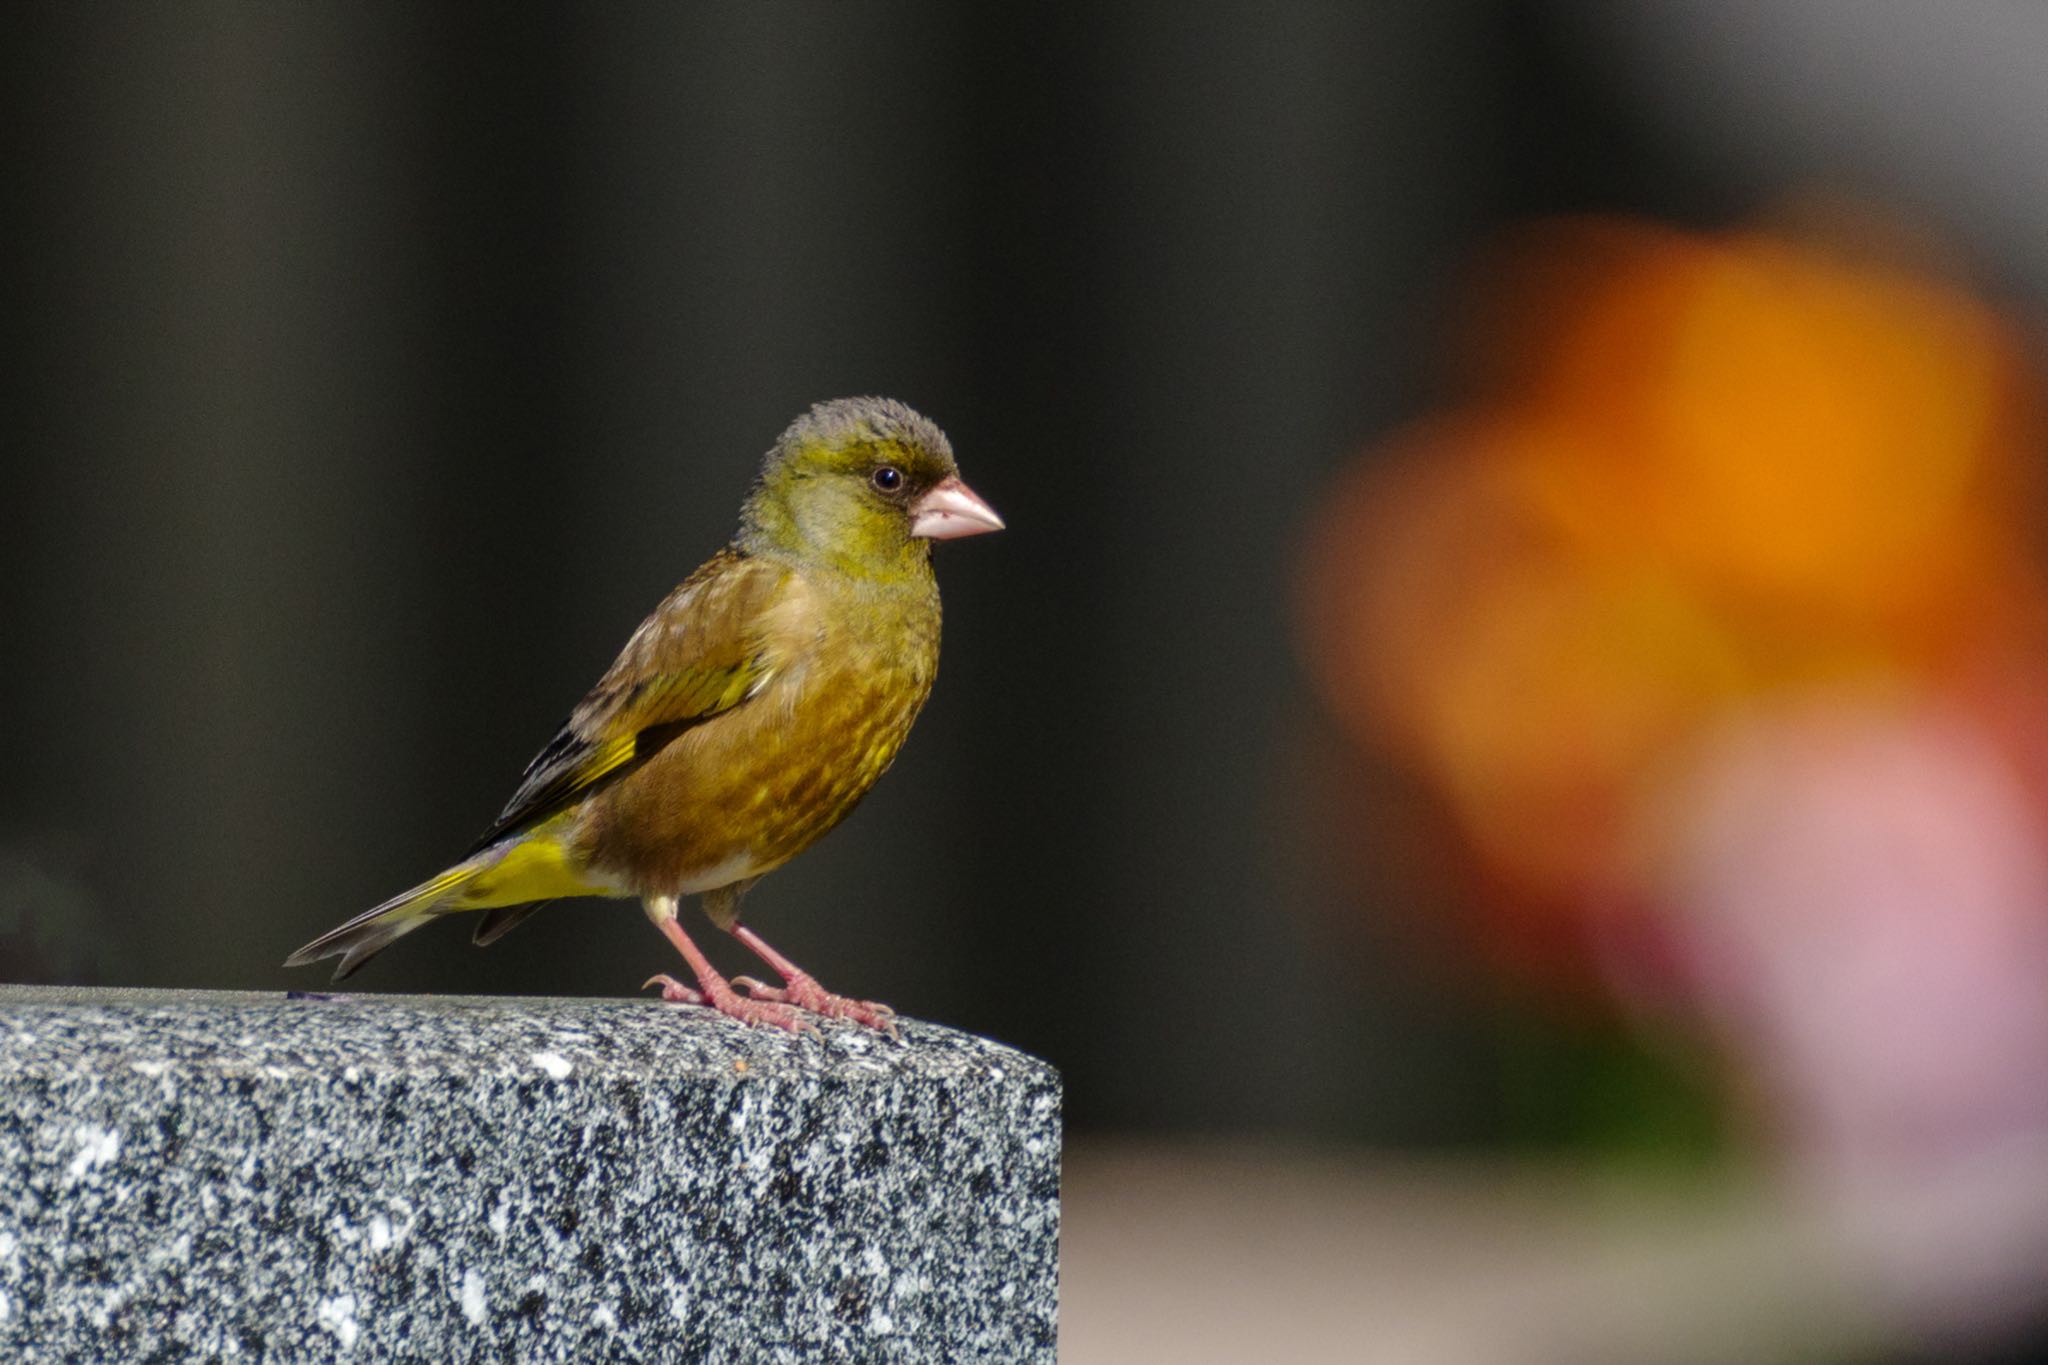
{"x":534,"y":867}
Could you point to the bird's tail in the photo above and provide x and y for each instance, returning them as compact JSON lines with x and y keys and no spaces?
{"x":532,"y":866}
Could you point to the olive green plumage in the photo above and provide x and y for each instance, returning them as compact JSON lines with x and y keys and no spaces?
{"x":751,"y":711}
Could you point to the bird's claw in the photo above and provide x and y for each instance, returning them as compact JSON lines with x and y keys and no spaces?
{"x":674,"y":991}
{"x":721,"y":997}
{"x":803,"y":992}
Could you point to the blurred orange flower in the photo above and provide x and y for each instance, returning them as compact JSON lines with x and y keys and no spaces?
{"x":1712,"y":623}
{"x":1703,"y":471}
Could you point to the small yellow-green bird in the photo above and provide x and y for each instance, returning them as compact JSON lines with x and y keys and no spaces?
{"x":744,"y":718}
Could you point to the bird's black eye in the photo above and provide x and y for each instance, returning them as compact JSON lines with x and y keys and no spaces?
{"x":888,"y":478}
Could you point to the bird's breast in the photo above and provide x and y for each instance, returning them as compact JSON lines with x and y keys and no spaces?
{"x":743,"y":793}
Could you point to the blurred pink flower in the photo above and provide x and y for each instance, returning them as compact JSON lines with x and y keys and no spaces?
{"x":1858,"y":887}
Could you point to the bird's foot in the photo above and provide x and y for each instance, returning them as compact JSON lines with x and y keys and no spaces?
{"x":803,"y":992}
{"x":715,"y":993}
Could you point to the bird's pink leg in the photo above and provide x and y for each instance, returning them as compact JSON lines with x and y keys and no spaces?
{"x":712,"y":990}
{"x":802,"y":990}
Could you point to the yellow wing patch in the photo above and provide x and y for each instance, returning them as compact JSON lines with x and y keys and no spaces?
{"x":699,"y":655}
{"x":633,"y":726}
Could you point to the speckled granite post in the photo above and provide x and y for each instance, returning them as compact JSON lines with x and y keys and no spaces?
{"x":199,"y":1176}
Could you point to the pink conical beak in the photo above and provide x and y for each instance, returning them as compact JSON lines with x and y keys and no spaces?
{"x":949,"y":510}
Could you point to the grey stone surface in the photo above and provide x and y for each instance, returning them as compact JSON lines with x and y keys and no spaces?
{"x":228,"y":1176}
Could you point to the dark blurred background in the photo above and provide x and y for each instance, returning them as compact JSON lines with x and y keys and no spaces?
{"x":377,"y":368}
{"x":374,"y":369}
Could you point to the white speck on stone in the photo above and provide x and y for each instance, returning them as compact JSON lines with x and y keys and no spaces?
{"x":150,"y":1069}
{"x":604,"y":1317}
{"x":679,"y":1305}
{"x":880,"y":1324}
{"x":351,"y":1074}
{"x":555,"y":1064}
{"x":6,"y":1306}
{"x":338,"y":1315}
{"x":501,"y":1214}
{"x":873,"y":1261}
{"x":96,"y":1147}
{"x":116,"y":1299}
{"x":380,"y":1233}
{"x":472,"y":1297}
{"x":1007,"y":1292}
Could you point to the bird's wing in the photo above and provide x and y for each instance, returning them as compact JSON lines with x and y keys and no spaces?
{"x":700,"y":654}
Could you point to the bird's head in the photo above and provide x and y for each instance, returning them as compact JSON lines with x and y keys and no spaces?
{"x":863,"y":485}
